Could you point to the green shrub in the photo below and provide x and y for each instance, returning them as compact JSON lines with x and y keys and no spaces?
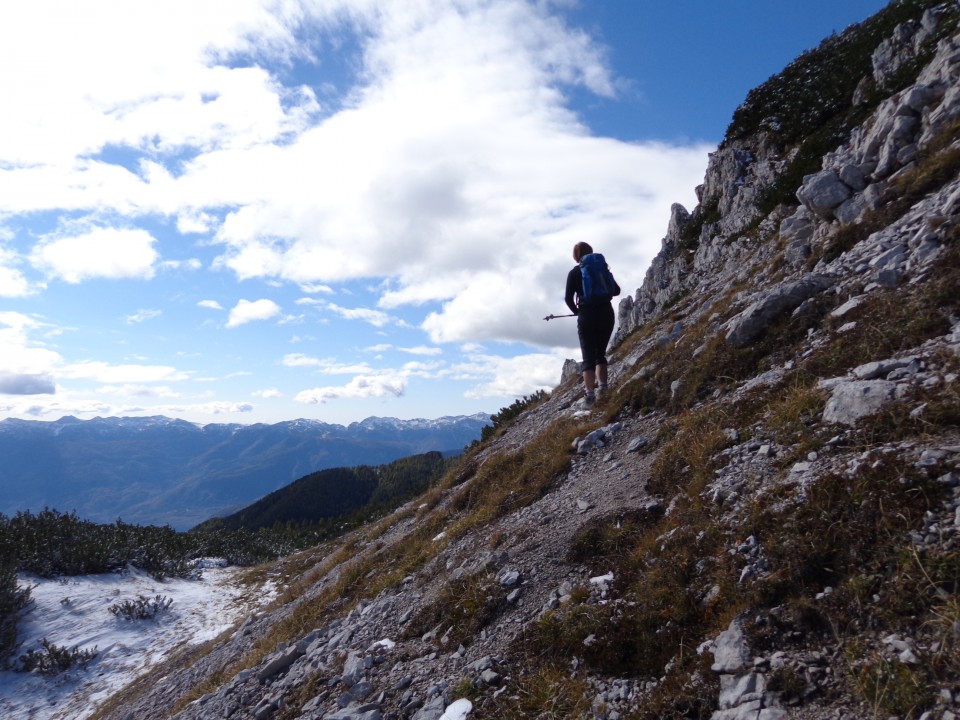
{"x":53,"y":659}
{"x":142,"y":608}
{"x":13,"y":598}
{"x":507,"y":414}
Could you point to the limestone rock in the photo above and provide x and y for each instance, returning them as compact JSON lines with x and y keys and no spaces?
{"x":855,"y":399}
{"x":751,"y":323}
{"x":822,"y":193}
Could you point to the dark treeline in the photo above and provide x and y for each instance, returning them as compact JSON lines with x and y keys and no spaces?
{"x":331,"y":500}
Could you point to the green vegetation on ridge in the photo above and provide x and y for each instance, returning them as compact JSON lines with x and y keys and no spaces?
{"x":338,"y":497}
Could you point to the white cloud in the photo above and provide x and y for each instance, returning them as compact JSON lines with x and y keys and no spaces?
{"x":142,"y":315}
{"x":327,"y":366}
{"x":514,"y":377}
{"x":421,"y":350}
{"x":156,"y":88}
{"x":195,"y":222}
{"x":101,"y":253}
{"x":245,"y":311}
{"x":268,"y":393}
{"x":109,"y":373}
{"x":374,"y":317}
{"x":139,"y":391}
{"x":316,"y":288}
{"x":19,"y":355}
{"x":457,"y":141}
{"x":189,"y":264}
{"x":13,"y":283}
{"x":384,"y":384}
{"x":450,"y":171}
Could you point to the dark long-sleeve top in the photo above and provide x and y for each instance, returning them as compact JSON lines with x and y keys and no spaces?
{"x":574,"y":289}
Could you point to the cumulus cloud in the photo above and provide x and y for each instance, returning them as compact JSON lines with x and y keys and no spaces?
{"x":11,"y":384}
{"x":456,"y":139}
{"x":384,"y":384}
{"x":448,"y":175}
{"x":500,"y":377}
{"x":104,"y":252}
{"x":246,"y":311}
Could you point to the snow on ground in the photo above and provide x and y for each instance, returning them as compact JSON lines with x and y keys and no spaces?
{"x":75,"y":612}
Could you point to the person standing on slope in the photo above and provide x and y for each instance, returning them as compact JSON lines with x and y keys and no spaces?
{"x":590,"y":289}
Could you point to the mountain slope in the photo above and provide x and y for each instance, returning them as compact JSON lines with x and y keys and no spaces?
{"x":762,"y":520}
{"x":337,"y":493}
{"x":170,"y":472}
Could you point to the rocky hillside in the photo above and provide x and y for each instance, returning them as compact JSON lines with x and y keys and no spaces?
{"x":760,"y":520}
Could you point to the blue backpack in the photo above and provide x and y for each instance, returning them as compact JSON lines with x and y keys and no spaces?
{"x":598,"y":282}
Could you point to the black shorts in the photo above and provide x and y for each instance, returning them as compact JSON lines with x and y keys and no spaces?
{"x":595,"y":328}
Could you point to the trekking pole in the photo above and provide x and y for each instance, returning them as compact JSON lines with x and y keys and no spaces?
{"x":554,"y":317}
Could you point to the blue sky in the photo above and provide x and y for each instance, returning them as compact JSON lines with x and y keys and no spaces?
{"x":258,"y":211}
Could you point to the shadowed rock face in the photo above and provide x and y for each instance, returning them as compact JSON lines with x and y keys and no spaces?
{"x":648,"y":463}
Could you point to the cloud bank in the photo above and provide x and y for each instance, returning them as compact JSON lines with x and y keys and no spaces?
{"x":430,"y":148}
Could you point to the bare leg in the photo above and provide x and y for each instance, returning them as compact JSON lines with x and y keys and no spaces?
{"x":602,"y":375}
{"x":589,"y":380}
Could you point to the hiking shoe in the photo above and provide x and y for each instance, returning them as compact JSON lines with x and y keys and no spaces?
{"x":602,"y":389}
{"x":589,"y":398}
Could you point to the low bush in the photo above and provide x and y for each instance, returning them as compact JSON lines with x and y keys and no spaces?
{"x":143,"y":608}
{"x":506,"y":415}
{"x":52,"y":659}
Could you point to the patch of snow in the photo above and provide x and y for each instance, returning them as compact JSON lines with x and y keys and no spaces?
{"x":74,"y":612}
{"x":458,"y":710}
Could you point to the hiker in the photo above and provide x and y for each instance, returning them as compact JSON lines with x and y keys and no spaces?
{"x":594,"y":310}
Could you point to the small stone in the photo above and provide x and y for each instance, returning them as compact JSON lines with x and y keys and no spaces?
{"x":490,"y":677}
{"x":509,"y":578}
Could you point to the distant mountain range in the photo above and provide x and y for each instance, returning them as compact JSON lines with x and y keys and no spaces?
{"x":162,"y":471}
